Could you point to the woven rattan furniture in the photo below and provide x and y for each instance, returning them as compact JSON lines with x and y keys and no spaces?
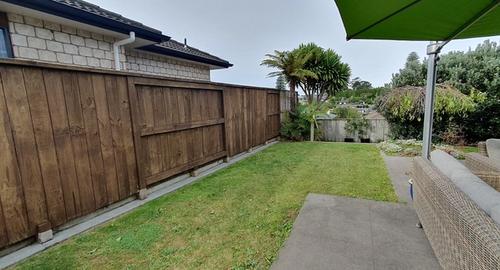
{"x":486,"y":168}
{"x":462,"y":235}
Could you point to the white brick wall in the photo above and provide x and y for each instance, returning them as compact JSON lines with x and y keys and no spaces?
{"x":161,"y":65}
{"x":36,"y":39}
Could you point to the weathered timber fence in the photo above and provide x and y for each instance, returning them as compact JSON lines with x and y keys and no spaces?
{"x":74,"y":140}
{"x":333,"y":130}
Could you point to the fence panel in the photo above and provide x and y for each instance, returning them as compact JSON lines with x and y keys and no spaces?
{"x":179,"y":128}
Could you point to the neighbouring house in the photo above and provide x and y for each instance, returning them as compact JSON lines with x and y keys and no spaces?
{"x":75,"y":32}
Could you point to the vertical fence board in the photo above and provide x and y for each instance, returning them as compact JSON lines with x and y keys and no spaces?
{"x":79,"y":141}
{"x":86,"y":92}
{"x":12,"y":198}
{"x":24,"y":138}
{"x":42,"y":125}
{"x":63,"y":145}
{"x":106,"y":138}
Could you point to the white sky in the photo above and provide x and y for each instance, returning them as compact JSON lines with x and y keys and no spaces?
{"x":243,"y":31}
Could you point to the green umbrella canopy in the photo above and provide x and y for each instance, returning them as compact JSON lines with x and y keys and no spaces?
{"x":431,"y":20}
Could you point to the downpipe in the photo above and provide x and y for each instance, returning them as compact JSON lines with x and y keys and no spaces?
{"x":116,"y":48}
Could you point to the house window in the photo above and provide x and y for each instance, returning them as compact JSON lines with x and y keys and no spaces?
{"x":5,"y":45}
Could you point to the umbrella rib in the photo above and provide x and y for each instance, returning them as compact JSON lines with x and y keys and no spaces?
{"x":470,"y":22}
{"x":383,"y":19}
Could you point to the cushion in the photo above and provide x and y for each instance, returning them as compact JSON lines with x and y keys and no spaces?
{"x":486,"y":197}
{"x":493,"y":149}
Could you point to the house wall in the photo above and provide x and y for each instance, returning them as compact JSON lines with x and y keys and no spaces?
{"x":46,"y":41}
{"x":166,"y":66}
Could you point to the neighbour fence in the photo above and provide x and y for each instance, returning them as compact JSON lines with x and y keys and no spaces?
{"x":333,"y":130}
{"x":74,"y":140}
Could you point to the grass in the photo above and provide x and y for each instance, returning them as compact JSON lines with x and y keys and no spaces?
{"x":237,"y":218}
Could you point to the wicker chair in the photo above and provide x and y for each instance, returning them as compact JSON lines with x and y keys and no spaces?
{"x":485,"y":168}
{"x":462,"y":235}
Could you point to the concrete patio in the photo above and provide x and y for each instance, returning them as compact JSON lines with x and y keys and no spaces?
{"x":334,"y":232}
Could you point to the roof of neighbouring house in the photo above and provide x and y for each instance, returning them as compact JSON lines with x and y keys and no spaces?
{"x":87,"y":13}
{"x":180,"y":50}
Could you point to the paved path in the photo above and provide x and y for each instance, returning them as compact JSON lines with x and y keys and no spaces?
{"x":399,"y":168}
{"x":333,"y":232}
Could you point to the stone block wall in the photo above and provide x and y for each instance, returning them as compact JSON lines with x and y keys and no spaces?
{"x":46,"y":41}
{"x":161,"y":65}
{"x":36,"y":39}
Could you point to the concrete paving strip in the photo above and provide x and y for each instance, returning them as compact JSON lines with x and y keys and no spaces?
{"x":96,"y":220}
{"x":399,"y":171}
{"x":334,"y":232}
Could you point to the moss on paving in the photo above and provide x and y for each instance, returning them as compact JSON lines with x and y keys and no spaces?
{"x":237,"y":218}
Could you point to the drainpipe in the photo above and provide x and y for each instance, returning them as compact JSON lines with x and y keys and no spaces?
{"x":116,"y":48}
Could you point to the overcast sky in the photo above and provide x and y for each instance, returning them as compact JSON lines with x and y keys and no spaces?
{"x":243,"y":31}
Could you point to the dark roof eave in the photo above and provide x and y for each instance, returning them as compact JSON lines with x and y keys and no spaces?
{"x":165,"y":51}
{"x":71,"y":13}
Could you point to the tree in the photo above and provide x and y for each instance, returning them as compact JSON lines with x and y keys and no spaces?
{"x":413,"y":74}
{"x":281,"y":83}
{"x":291,"y":66}
{"x":358,"y":84}
{"x":332,"y":76}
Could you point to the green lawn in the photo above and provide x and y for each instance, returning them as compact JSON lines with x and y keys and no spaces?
{"x":237,"y":218}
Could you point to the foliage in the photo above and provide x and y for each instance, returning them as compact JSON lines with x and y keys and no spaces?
{"x":412,"y":147}
{"x":290,"y":65}
{"x":237,"y":217}
{"x":346,"y":113}
{"x":281,"y":83}
{"x":368,"y":95}
{"x":358,"y":84}
{"x":472,"y":71}
{"x":404,"y":109}
{"x":357,"y":126}
{"x":332,"y":75}
{"x":296,"y":126}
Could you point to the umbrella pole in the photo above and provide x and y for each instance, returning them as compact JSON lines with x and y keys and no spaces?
{"x":432,"y":51}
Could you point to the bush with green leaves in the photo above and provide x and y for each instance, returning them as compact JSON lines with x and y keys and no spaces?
{"x":404,"y":110}
{"x":298,"y":123}
{"x":357,"y":126}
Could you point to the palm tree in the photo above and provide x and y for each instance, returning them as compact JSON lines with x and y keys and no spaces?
{"x":290,"y":65}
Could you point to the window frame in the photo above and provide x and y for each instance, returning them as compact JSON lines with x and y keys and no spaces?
{"x":4,"y":25}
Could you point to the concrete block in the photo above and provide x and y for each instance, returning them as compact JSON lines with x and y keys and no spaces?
{"x":33,"y":21}
{"x":104,"y":45}
{"x":79,"y":60}
{"x":84,"y":51}
{"x":143,"y":194}
{"x":71,"y":49}
{"x":15,"y":18}
{"x":24,"y":29}
{"x":76,"y":40}
{"x":52,"y":26}
{"x":109,"y":55}
{"x":61,"y":37}
{"x":106,"y":63}
{"x":92,"y":43}
{"x":44,"y":33}
{"x":36,"y":43}
{"x":93,"y":62}
{"x":98,"y":53}
{"x":96,"y":36}
{"x":54,"y":46}
{"x":64,"y":58}
{"x":83,"y":33}
{"x":109,"y":39}
{"x":68,"y":29}
{"x":28,"y":53}
{"x":19,"y":40}
{"x":47,"y":56}
{"x":226,"y":159}
{"x":45,"y":236}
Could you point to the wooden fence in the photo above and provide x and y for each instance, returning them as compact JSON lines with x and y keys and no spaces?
{"x":74,"y":140}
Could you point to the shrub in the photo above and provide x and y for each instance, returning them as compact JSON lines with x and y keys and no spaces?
{"x":297,"y":126}
{"x":404,"y":110}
